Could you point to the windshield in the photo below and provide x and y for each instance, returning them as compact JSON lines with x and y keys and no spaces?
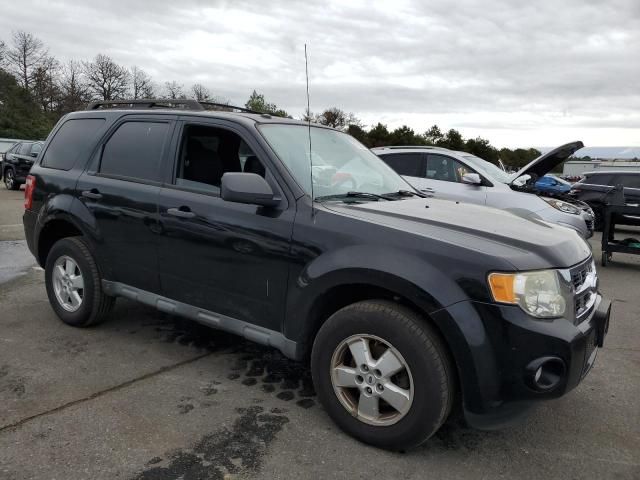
{"x":341,"y":164}
{"x":489,"y":169}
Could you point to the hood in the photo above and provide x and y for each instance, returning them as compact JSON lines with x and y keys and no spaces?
{"x":547,"y":162}
{"x":526,"y":243}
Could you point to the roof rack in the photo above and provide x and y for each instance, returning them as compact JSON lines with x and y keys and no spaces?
{"x":426,"y":147}
{"x":180,"y":104}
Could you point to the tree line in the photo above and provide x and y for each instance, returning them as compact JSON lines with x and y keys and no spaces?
{"x":36,"y":89}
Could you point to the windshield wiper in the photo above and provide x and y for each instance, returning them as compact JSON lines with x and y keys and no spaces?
{"x":412,"y":193}
{"x":372,"y":196}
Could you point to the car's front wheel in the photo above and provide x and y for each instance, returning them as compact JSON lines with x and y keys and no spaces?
{"x":10,"y":180}
{"x":74,"y":285}
{"x":383,"y":374}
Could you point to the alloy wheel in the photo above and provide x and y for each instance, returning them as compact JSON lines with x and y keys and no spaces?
{"x":9,"y":179}
{"x":372,"y":380}
{"x":68,"y":283}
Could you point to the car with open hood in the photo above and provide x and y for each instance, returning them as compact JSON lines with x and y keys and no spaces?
{"x":461,"y":176}
{"x":297,"y":237}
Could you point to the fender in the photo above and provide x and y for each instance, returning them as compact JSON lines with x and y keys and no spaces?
{"x":389,"y":268}
{"x":68,"y":208}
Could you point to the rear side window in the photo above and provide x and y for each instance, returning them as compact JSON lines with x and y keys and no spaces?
{"x":73,"y":138}
{"x":405,"y":163}
{"x":25,"y":148}
{"x":135,"y":151}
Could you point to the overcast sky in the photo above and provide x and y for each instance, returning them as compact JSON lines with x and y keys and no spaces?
{"x":520,"y":73}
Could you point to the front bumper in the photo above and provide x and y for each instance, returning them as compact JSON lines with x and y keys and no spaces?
{"x":503,"y":343}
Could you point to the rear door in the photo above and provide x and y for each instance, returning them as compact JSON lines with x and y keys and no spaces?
{"x":25,"y":157}
{"x":224,"y":257}
{"x":410,"y":165}
{"x":120,"y":190}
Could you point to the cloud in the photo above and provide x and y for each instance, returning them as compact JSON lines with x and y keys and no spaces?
{"x":509,"y":70}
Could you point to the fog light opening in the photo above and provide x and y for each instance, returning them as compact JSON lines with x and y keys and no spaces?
{"x":545,"y":374}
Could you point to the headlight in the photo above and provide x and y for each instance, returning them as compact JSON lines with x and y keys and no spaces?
{"x":537,"y":293}
{"x":562,"y":206}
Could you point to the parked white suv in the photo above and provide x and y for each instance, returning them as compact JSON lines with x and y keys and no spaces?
{"x":462,"y":176}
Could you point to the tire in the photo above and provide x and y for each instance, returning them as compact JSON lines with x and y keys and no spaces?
{"x":94,"y":306}
{"x":10,"y":180}
{"x":415,"y":343}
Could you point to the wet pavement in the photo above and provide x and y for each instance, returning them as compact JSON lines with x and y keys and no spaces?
{"x":151,"y":396}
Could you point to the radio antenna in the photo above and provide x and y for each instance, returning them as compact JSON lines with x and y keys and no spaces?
{"x":306,"y":71}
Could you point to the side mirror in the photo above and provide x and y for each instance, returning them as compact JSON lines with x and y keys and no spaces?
{"x":33,"y":154}
{"x":248,"y":188}
{"x":522,"y":180}
{"x":472,"y":179}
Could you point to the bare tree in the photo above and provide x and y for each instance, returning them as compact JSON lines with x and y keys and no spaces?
{"x":337,"y":118}
{"x":44,"y":87}
{"x":106,"y":79}
{"x":3,"y":53}
{"x":74,"y":91}
{"x":24,"y":58}
{"x":201,"y":93}
{"x":174,"y":90}
{"x":141,"y":84}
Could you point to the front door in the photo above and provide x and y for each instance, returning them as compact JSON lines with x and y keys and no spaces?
{"x":224,"y":257}
{"x":443,"y":174}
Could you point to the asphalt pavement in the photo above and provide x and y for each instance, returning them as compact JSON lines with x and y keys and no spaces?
{"x":151,"y":396}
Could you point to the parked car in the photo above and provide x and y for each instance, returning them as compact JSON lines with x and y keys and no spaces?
{"x":464,"y":177}
{"x":17,"y":163}
{"x":407,"y":307}
{"x":594,"y":187}
{"x":553,"y":185}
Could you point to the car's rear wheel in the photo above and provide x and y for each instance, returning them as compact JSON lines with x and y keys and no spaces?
{"x":383,"y":374}
{"x":10,"y":180}
{"x":74,"y":285}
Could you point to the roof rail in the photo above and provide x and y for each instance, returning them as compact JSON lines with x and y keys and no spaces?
{"x":426,"y":147}
{"x":181,"y":104}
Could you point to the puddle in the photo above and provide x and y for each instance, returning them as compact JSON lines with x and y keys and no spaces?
{"x":15,"y":259}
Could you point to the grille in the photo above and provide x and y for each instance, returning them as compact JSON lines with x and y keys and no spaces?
{"x":589,"y":224}
{"x":579,"y":276}
{"x":583,"y":293}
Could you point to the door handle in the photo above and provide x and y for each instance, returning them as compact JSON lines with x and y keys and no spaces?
{"x":182,"y":212}
{"x":93,"y":194}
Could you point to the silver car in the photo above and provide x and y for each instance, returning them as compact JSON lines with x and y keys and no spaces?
{"x":464,"y":177}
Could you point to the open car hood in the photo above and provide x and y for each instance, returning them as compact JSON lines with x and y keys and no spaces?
{"x":547,"y":162}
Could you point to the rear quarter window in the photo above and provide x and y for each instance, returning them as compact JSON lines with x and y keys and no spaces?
{"x":72,"y":139}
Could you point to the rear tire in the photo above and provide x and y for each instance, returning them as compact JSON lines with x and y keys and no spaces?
{"x":425,"y":374}
{"x":74,"y":285}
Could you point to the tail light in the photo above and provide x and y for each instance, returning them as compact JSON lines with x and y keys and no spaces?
{"x":28,"y":192}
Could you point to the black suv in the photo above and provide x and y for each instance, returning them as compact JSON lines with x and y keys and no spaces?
{"x":595,"y":186}
{"x":17,"y":163}
{"x":406,"y":306}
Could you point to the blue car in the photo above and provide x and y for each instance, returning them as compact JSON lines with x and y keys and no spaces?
{"x":552,"y":184}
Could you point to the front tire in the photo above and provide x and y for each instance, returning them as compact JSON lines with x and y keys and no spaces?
{"x":74,"y":286}
{"x":383,"y":374}
{"x":10,"y":180}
